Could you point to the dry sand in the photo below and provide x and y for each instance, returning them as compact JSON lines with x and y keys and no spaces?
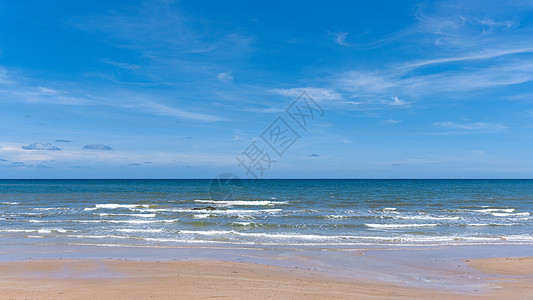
{"x":503,"y":265}
{"x":215,"y":279}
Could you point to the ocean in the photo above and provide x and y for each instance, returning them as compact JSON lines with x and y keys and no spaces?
{"x":292,"y":213}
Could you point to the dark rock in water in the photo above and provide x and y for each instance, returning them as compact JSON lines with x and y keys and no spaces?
{"x":204,"y":208}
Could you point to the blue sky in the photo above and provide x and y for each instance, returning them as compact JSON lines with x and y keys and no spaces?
{"x":179,"y":89}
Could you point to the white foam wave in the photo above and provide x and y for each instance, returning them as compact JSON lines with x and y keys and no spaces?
{"x":246,"y":211}
{"x":98,"y":236}
{"x":336,"y":217}
{"x":343,"y":238}
{"x":218,"y":211}
{"x":201,"y":216}
{"x":399,"y":225}
{"x":241,"y":202}
{"x":426,"y":217}
{"x":242,"y":223}
{"x":141,"y":230}
{"x":488,"y":224}
{"x":115,"y":206}
{"x":17,"y":230}
{"x":478,"y":224}
{"x":128,"y":221}
{"x":264,"y":235}
{"x":510,"y":214}
{"x":51,"y":230}
{"x":303,"y":239}
{"x":152,"y":209}
{"x":10,"y":203}
{"x":129,"y":215}
{"x":489,"y":210}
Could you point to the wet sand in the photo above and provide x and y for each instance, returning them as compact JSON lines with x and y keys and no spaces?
{"x":217,"y":279}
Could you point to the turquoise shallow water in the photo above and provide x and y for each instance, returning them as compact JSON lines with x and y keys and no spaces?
{"x":269,"y":212}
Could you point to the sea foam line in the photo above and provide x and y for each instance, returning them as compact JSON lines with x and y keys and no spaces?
{"x":51,"y":230}
{"x":489,"y":210}
{"x":289,"y":239}
{"x":343,"y":238}
{"x":399,"y":225}
{"x":115,"y":205}
{"x":241,"y":202}
{"x":126,"y":221}
{"x":521,"y":214}
{"x":425,"y":217}
{"x":218,"y":211}
{"x":488,"y":224}
{"x":140,"y":230}
{"x":129,"y":215}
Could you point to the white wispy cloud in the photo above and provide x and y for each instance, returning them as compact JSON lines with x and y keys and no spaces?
{"x":472,"y":127}
{"x":340,"y":38}
{"x":202,"y":50}
{"x":128,"y":100}
{"x":160,"y":29}
{"x":481,"y":55}
{"x":20,"y":91}
{"x":491,"y":23}
{"x":392,"y":121}
{"x":479,"y":152}
{"x":46,"y":91}
{"x":398,"y":102}
{"x":225,"y":76}
{"x":4,"y":77}
{"x":122,"y":65}
{"x":317,"y":94}
{"x":265,"y":110}
{"x":372,"y":82}
{"x":393,"y":81}
{"x":164,"y":110}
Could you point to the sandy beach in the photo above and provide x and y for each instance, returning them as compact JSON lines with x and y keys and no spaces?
{"x":217,"y":279}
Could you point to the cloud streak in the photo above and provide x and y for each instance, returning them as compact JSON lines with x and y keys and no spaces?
{"x":486,"y":54}
{"x":164,"y":110}
{"x":340,"y":38}
{"x":225,"y":77}
{"x":468,"y":128}
{"x":317,"y":94}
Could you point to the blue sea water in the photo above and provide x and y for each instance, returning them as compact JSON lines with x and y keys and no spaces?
{"x":324,"y":213}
